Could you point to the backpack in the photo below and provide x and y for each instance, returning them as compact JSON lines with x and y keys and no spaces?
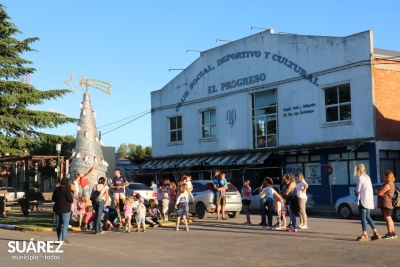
{"x":396,"y":197}
{"x":96,"y":195}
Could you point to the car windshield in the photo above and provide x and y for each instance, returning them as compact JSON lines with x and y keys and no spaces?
{"x":138,"y":186}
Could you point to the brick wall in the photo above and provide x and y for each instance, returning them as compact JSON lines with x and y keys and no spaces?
{"x":386,"y":75}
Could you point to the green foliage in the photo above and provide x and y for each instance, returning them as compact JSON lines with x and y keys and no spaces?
{"x":19,"y":125}
{"x":133,"y":151}
{"x":140,"y":153}
{"x":45,"y":145}
{"x":123,"y":151}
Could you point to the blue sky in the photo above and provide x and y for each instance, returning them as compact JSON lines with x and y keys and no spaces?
{"x":133,"y":44}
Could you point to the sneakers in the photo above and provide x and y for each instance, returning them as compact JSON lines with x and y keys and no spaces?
{"x":187,"y":228}
{"x":246,"y":223}
{"x":263,"y":228}
{"x":389,"y":236}
{"x":277,"y":228}
{"x":177,"y":229}
{"x":292,"y":230}
{"x":303,"y":226}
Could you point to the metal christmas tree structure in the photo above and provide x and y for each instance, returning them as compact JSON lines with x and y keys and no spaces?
{"x":87,"y":151}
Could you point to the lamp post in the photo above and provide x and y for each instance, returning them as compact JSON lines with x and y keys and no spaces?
{"x":58,"y":149}
{"x":7,"y":155}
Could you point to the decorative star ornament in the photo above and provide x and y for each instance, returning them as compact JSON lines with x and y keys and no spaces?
{"x":73,"y":83}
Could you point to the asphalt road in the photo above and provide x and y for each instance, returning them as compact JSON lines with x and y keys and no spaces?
{"x":327,"y":242}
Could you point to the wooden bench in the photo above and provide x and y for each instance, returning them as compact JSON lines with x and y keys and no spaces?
{"x":33,"y":205}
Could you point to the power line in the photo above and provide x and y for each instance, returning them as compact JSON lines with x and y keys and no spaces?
{"x":126,"y":123}
{"x":139,"y":114}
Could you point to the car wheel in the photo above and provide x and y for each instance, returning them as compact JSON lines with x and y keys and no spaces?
{"x":233,"y":214}
{"x":396,"y":214}
{"x":201,"y":211}
{"x":344,"y":211}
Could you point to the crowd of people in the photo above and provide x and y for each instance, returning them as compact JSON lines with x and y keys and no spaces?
{"x":92,"y":210}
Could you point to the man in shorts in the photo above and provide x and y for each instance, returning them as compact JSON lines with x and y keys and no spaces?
{"x":118,"y":184}
{"x":220,"y":201}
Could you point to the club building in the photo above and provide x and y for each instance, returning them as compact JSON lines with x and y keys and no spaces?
{"x":270,"y":104}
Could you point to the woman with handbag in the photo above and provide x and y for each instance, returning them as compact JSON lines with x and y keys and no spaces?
{"x":292,"y":200}
{"x":98,"y":206}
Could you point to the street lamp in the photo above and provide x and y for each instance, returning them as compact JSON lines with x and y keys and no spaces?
{"x":7,"y":155}
{"x":58,"y":149}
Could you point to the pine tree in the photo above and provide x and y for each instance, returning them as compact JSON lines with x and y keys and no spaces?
{"x":20,"y":126}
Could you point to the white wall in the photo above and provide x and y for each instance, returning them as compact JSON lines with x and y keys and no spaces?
{"x":203,"y":85}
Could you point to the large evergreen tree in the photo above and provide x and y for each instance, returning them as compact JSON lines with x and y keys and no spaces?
{"x":19,"y":125}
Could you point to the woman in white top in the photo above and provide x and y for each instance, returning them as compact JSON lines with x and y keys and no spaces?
{"x":365,"y":199}
{"x":99,"y":206}
{"x":269,"y":203}
{"x":301,"y":189}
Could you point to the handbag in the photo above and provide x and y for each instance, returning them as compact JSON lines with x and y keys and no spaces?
{"x":263,"y":194}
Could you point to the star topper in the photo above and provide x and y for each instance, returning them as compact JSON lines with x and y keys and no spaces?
{"x":73,"y":83}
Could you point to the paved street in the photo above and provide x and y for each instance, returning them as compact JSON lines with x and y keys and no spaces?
{"x":328,"y":242}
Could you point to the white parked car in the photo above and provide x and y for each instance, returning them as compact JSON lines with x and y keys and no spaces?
{"x":204,"y":200}
{"x":146,"y":192}
{"x":347,"y":206}
{"x":255,"y":199}
{"x":12,"y":195}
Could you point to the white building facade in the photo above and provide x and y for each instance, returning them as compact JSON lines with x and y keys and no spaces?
{"x":270,"y":104}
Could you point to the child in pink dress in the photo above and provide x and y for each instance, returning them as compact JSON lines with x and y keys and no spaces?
{"x":88,"y":218}
{"x":81,"y":205}
{"x":128,"y":211}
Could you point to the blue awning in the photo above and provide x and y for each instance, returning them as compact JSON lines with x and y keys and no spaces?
{"x":168,"y":164}
{"x":190,"y":162}
{"x":221,"y":160}
{"x":251,"y":158}
{"x":149,"y":164}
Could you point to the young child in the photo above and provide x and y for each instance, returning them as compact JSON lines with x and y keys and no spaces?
{"x":222,"y":184}
{"x":246,"y":192}
{"x":153,"y":212}
{"x":172,"y":198}
{"x":180,"y":207}
{"x":141,"y":215}
{"x":280,"y":214}
{"x":128,"y":210}
{"x":165,"y":206}
{"x":111,"y":216}
{"x":81,"y":205}
{"x":88,"y":218}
